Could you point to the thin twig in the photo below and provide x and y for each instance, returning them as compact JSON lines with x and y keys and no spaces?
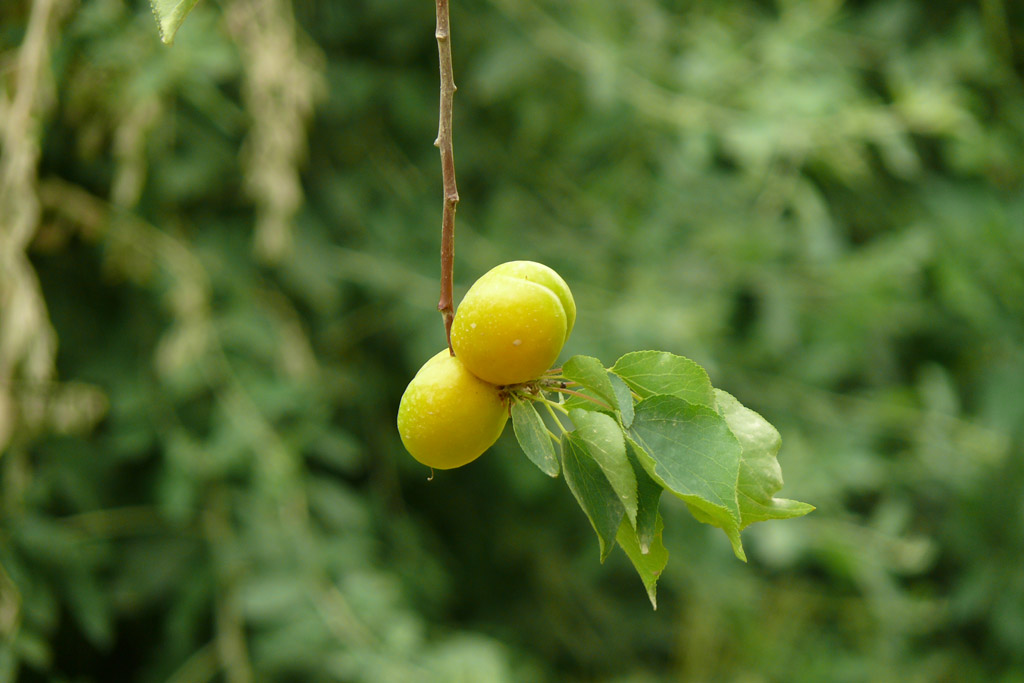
{"x":451,"y":191}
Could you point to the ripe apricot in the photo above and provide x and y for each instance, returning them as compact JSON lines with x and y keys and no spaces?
{"x":448,"y":417}
{"x":513,"y":322}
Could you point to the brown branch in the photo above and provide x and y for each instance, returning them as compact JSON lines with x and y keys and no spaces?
{"x":451,"y":191}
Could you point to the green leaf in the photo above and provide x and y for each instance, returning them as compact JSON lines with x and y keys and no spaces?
{"x":337,"y":505}
{"x":169,"y":16}
{"x":649,"y":564}
{"x":623,"y":396}
{"x":533,"y":437}
{"x":590,"y":373}
{"x":8,"y":661}
{"x":271,"y":595}
{"x":760,"y":474}
{"x":592,"y":491}
{"x":90,"y":607}
{"x":33,"y":649}
{"x":689,"y":450}
{"x":606,"y":444}
{"x":650,"y":373}
{"x":579,"y":403}
{"x":648,"y":494}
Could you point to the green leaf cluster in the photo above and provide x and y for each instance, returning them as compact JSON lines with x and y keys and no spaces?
{"x":653,"y":423}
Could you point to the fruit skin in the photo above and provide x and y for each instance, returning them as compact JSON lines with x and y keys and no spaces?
{"x":543,"y":275}
{"x":513,"y":322}
{"x":448,"y":417}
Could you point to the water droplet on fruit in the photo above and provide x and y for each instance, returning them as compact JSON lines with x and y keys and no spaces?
{"x":517,"y":342}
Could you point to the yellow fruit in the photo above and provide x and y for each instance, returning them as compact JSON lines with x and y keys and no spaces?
{"x":543,"y":275}
{"x":513,"y":322}
{"x":448,"y":417}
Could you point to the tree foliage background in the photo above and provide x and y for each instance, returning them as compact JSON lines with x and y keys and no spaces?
{"x":218,"y":270}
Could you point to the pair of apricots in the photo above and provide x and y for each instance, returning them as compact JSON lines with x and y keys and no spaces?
{"x":508,"y":330}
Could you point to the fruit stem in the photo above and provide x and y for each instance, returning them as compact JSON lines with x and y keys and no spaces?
{"x":451,"y":190}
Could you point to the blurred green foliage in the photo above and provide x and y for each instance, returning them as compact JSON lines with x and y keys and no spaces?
{"x":236,"y":240}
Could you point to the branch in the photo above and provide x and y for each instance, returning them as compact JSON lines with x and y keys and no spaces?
{"x":451,"y":191}
{"x":28,"y":342}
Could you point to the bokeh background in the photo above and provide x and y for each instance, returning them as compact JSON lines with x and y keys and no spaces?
{"x":219,"y":267}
